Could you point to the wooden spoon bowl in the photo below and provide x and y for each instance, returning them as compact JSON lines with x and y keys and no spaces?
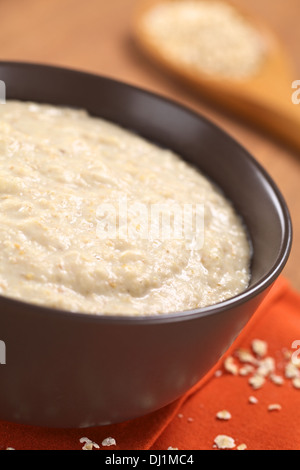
{"x":264,"y":99}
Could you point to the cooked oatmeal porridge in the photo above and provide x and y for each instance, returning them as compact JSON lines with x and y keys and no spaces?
{"x":57,"y":165}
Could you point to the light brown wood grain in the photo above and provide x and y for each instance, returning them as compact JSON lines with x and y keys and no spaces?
{"x":96,"y":35}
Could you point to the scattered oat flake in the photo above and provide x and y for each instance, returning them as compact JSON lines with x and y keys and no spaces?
{"x":296,"y":361}
{"x":277,"y":379}
{"x":266,"y":367}
{"x":296,"y":382}
{"x":172,"y":448}
{"x":291,"y":371}
{"x":230,"y":366}
{"x":10,"y":448}
{"x":218,"y":373}
{"x":257,"y":381}
{"x":246,"y":370}
{"x":245,"y":356}
{"x":190,"y":420}
{"x":274,"y":407}
{"x":253,"y":400}
{"x":224,"y":415}
{"x":287,"y":354}
{"x":180,"y":415}
{"x":259,"y":347}
{"x":109,"y":441}
{"x":88,"y":444}
{"x":224,"y":442}
{"x":241,"y":447}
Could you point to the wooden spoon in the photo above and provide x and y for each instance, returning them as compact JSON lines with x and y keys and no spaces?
{"x":265,"y":99}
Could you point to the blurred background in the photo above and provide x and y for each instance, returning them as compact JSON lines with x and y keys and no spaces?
{"x":95,"y":35}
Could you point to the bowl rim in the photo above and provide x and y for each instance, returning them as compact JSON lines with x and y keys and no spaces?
{"x":172,"y":317}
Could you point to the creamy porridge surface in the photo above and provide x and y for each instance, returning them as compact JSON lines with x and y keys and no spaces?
{"x":57,"y":165}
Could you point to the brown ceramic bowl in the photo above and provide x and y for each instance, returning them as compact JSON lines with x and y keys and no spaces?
{"x":73,"y":370}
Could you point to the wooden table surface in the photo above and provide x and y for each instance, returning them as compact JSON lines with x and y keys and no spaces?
{"x":95,"y":35}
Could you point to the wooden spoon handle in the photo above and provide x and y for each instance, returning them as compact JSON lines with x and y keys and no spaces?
{"x":275,"y":113}
{"x":283,"y":123}
{"x":272,"y":110}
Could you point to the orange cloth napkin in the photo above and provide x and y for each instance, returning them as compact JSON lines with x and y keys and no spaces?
{"x":190,"y":423}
